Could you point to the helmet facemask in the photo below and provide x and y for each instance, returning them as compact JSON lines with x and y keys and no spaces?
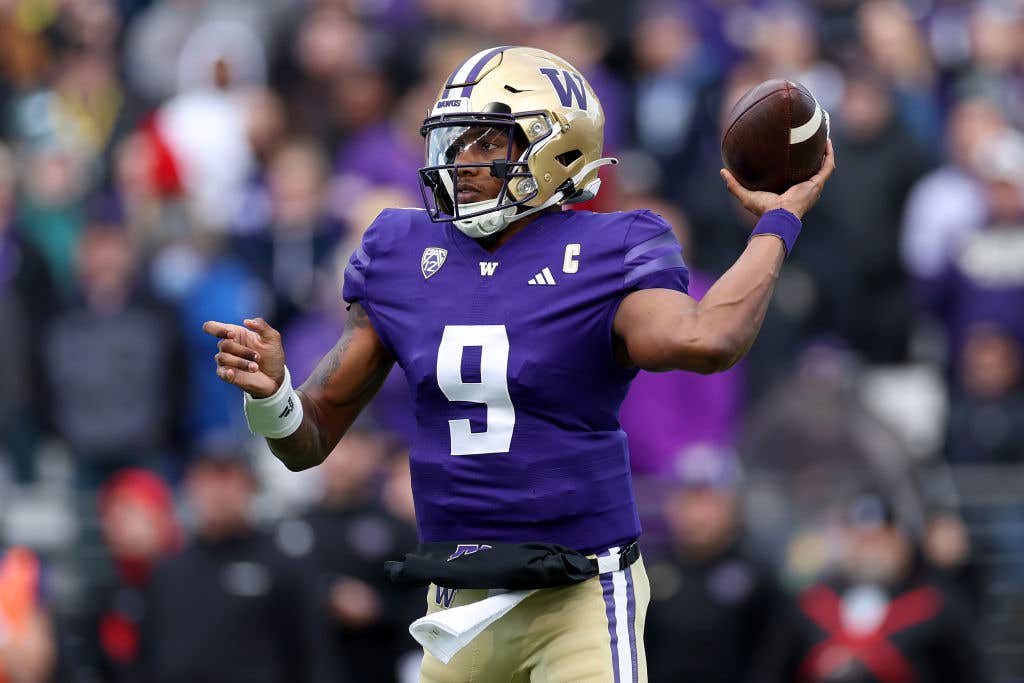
{"x":447,"y":137}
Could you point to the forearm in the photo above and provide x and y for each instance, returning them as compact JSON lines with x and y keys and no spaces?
{"x":343,"y":383}
{"x":730,"y":315}
{"x":316,"y":437}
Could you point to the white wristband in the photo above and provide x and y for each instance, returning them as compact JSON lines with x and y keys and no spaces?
{"x":277,"y":415}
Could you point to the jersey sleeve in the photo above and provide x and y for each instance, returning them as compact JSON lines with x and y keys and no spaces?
{"x":353,"y":288}
{"x":374,"y":245}
{"x":654,"y":257}
{"x":363,"y":282}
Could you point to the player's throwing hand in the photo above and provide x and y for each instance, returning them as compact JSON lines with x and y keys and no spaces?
{"x":250,"y":357}
{"x":797,"y":200}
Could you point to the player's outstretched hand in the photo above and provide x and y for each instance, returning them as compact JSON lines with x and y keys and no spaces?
{"x":250,"y":357}
{"x":797,"y":199}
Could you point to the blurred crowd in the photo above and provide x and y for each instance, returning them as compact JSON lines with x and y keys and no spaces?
{"x":167,"y":162}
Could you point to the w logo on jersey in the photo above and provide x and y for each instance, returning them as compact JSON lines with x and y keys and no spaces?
{"x":568,"y":86}
{"x":432,"y":260}
{"x":444,"y":596}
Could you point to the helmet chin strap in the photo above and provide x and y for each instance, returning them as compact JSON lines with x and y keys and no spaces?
{"x":495,"y":221}
{"x":486,"y":224}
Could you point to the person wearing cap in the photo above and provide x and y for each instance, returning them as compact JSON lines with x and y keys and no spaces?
{"x":884,"y":617}
{"x":139,"y":528}
{"x":234,"y":606}
{"x":712,"y":600}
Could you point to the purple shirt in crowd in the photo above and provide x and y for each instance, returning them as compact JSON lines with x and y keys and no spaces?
{"x":510,"y":362}
{"x":361,"y":155}
{"x":666,"y":412}
{"x":983,"y":283}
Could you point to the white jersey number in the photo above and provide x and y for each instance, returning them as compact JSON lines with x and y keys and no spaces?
{"x":491,"y":390}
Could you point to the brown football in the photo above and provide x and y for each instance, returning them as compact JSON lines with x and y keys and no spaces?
{"x":775,"y":136}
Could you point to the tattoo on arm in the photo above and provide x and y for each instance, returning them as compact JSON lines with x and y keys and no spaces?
{"x":316,"y":436}
{"x":357,"y":318}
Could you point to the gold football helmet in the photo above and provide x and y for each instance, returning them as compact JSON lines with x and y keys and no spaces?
{"x":536,"y":99}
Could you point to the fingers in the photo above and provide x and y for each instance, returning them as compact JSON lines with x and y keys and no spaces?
{"x":827,"y":166}
{"x":260,"y":331}
{"x":741,"y":193}
{"x":754,"y":201}
{"x":227,"y":360}
{"x":256,"y":384}
{"x":264,"y":330}
{"x":731,"y":183}
{"x":236,"y":349}
{"x":220,"y":330}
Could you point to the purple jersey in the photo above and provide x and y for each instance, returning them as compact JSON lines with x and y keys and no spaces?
{"x":509,"y":359}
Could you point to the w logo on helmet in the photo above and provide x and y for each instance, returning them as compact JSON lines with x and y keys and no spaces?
{"x":568,"y":86}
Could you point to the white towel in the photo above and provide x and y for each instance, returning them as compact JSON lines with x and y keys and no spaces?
{"x":444,"y":633}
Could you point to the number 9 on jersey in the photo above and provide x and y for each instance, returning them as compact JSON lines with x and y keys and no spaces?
{"x":491,"y":390}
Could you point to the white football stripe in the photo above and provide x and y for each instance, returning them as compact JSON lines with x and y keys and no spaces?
{"x":804,"y":132}
{"x":620,"y":595}
{"x":463,"y":73}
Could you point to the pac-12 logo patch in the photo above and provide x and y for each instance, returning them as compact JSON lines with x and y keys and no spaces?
{"x":432,"y":260}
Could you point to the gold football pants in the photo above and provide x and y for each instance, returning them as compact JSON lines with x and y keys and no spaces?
{"x":591,"y":632}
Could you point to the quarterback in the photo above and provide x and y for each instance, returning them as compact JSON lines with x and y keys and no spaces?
{"x":519,"y":326}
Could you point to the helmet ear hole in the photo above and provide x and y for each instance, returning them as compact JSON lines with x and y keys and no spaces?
{"x":568,"y":158}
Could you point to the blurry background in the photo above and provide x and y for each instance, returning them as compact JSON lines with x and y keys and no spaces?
{"x":846,"y":503}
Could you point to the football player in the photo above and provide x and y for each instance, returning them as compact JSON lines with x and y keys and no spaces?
{"x":519,"y":327}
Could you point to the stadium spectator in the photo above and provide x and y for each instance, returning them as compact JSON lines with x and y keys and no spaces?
{"x":352,"y":534}
{"x":947,"y":204}
{"x":206,"y":278}
{"x":233,"y":606}
{"x":896,"y":49}
{"x":27,"y":296}
{"x":221,"y":67}
{"x":983,"y":279}
{"x":322,"y":47}
{"x":884,"y":616}
{"x":394,"y":137}
{"x":995,"y":55}
{"x":712,"y":600}
{"x":814,"y":433}
{"x":986,"y":422}
{"x":139,"y":528}
{"x":49,"y":210}
{"x":160,"y":31}
{"x":674,"y":67}
{"x":287,"y":237}
{"x":104,"y":356}
{"x":396,"y":498}
{"x":948,"y":548}
{"x":881,"y":159}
